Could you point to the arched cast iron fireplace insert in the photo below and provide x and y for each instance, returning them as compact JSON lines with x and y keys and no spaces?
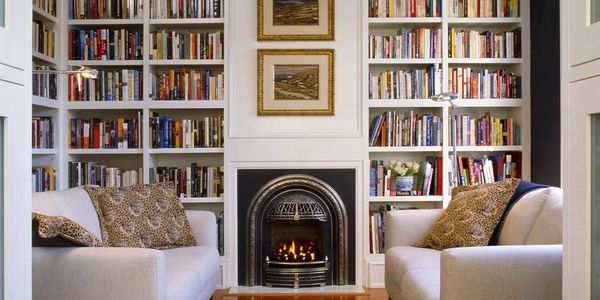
{"x":297,"y":234}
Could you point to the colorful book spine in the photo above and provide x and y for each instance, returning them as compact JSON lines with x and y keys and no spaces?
{"x":187,"y":85}
{"x":167,"y":132}
{"x":391,"y":129}
{"x":94,"y":133}
{"x":121,"y":85}
{"x":407,"y":43}
{"x":192,"y":182}
{"x":190,"y":45}
{"x":404,"y":8}
{"x":44,"y":85}
{"x":469,"y":83}
{"x":93,"y":173}
{"x":186,"y":9}
{"x":44,"y":39}
{"x":105,"y":9}
{"x":406,"y":84}
{"x":105,"y":44}
{"x":485,"y":44}
{"x":488,"y":169}
{"x":43,"y":179}
{"x":483,"y":8}
{"x":48,"y":6}
{"x":42,"y":129}
{"x":486,"y":131}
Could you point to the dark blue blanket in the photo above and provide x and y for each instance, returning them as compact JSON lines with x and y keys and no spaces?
{"x":523,"y":188}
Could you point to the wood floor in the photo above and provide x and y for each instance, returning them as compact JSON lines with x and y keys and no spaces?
{"x":374,"y":294}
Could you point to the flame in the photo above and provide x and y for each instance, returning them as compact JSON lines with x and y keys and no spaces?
{"x":296,"y":251}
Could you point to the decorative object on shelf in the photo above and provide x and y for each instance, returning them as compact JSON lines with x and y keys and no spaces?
{"x":295,"y":82}
{"x":404,"y":174}
{"x":298,"y":20}
{"x":82,"y":71}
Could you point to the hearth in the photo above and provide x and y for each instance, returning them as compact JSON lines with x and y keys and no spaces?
{"x":297,"y":234}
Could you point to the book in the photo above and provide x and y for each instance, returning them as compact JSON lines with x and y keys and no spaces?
{"x":170,"y":44}
{"x":203,"y":133}
{"x":105,"y":44}
{"x":407,"y":43}
{"x":404,"y":8}
{"x":488,"y":168}
{"x":84,"y":173}
{"x":390,"y":129}
{"x":48,"y":6}
{"x":377,"y":227}
{"x":43,"y":179}
{"x":483,"y":8}
{"x":186,"y":9}
{"x":464,"y":43}
{"x":94,"y":133}
{"x":122,"y":85}
{"x":382,"y":184}
{"x":187,"y":84}
{"x":406,"y":84}
{"x":486,"y":131}
{"x":470,"y":83}
{"x":193,"y":181}
{"x":105,"y":9}
{"x":42,"y":129}
{"x":44,"y":39}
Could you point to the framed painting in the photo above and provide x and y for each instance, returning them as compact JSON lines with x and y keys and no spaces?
{"x":295,"y":82}
{"x":295,"y":20}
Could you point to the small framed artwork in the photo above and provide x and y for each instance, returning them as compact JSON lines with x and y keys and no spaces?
{"x":295,"y":82}
{"x":295,"y":20}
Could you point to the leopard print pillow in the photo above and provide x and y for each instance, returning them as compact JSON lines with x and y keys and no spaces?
{"x":142,"y":216}
{"x":57,"y":231}
{"x":470,"y":218}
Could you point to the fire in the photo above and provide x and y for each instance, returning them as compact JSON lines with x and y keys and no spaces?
{"x":296,"y":251}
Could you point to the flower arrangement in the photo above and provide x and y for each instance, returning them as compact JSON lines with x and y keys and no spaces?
{"x":404,"y":168}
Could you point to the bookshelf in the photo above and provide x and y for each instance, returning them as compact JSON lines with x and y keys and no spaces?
{"x":516,"y":108}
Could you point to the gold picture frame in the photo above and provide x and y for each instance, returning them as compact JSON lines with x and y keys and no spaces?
{"x":285,"y":20}
{"x":295,"y":82}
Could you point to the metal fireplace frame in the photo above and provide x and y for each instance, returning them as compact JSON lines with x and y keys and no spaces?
{"x":325,"y":193}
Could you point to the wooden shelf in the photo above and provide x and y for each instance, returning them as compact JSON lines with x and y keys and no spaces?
{"x":186,"y":62}
{"x":101,"y":22}
{"x":195,"y":21}
{"x":185,"y":150}
{"x":404,"y":61}
{"x":389,"y":103}
{"x":399,"y":199}
{"x":405,"y":149}
{"x":41,"y":15}
{"x":45,"y":102}
{"x":108,"y":63}
{"x":487,"y":148}
{"x":43,"y":57}
{"x":189,"y":200}
{"x":104,"y":151}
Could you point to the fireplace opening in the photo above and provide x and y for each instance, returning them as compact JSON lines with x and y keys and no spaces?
{"x":296,"y":242}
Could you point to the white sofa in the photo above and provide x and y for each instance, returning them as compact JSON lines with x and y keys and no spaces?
{"x":122,"y":273}
{"x":527,"y":264}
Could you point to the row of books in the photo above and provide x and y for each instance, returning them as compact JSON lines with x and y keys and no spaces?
{"x":189,"y":45}
{"x":193,"y":181}
{"x":187,"y":84}
{"x":483,"y":8}
{"x":427,"y":181}
{"x":391,"y":129}
{"x":94,"y":133}
{"x":105,"y":9}
{"x":44,"y":85}
{"x":43,"y":179}
{"x":93,"y":173}
{"x":377,"y":227}
{"x":406,"y":84}
{"x":186,"y":9}
{"x":169,"y":133}
{"x":404,"y":8}
{"x":474,"y":171}
{"x":48,"y":6}
{"x":470,"y":83}
{"x":42,"y":129}
{"x":44,"y":39}
{"x":486,"y":131}
{"x":105,"y":44}
{"x":407,"y":43}
{"x":121,"y":85}
{"x":486,"y":44}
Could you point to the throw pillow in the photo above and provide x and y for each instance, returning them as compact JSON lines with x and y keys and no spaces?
{"x":471,"y":217}
{"x":57,"y":231}
{"x":142,"y":216}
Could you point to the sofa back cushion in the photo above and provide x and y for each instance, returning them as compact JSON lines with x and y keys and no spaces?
{"x":74,"y":204}
{"x":535,"y":219}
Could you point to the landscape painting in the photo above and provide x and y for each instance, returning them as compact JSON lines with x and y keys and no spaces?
{"x":296,"y":82}
{"x":295,"y":12}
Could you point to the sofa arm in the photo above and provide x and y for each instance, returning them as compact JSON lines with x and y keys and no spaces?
{"x":502,"y":272}
{"x":406,"y":227}
{"x":204,"y":227}
{"x":98,"y":273}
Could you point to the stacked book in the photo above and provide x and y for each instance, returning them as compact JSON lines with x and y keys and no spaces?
{"x":187,"y":84}
{"x":49,"y":6}
{"x":42,"y":130}
{"x":84,"y":173}
{"x":404,"y":8}
{"x":105,"y":44}
{"x":186,"y":9}
{"x":44,"y":39}
{"x":189,"y":45}
{"x":474,"y":171}
{"x":469,"y":83}
{"x":406,"y":84}
{"x":169,"y":133}
{"x":377,"y":227}
{"x":391,"y":129}
{"x":192,"y":182}
{"x":428,"y":180}
{"x":485,"y":44}
{"x":94,"y":133}
{"x":44,"y":85}
{"x":407,"y":43}
{"x":43,"y":179}
{"x":105,"y":9}
{"x":483,"y":8}
{"x":486,"y":131}
{"x":122,"y":85}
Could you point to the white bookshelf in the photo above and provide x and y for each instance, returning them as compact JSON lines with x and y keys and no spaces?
{"x":519,"y":109}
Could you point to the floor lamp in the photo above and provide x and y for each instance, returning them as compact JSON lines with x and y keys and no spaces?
{"x":450,"y":97}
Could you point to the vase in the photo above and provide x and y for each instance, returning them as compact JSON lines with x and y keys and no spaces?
{"x":404,"y":185}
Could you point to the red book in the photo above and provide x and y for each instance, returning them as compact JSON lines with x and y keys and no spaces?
{"x":438,"y":179}
{"x":413,"y":8}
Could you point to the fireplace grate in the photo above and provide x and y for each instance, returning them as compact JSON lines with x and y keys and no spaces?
{"x":296,"y":274}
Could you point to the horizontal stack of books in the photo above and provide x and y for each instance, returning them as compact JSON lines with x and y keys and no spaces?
{"x":470,"y":83}
{"x":105,"y":44}
{"x":186,"y":9}
{"x":105,"y":9}
{"x":406,"y":84}
{"x":404,"y":8}
{"x":483,"y":8}
{"x":84,"y":173}
{"x":42,"y":129}
{"x":486,"y":131}
{"x":190,"y":45}
{"x":43,"y":179}
{"x":407,"y":43}
{"x":492,"y":168}
{"x":122,"y":85}
{"x":485,"y":44}
{"x":187,"y":84}
{"x":193,"y":181}
{"x":44,"y":85}
{"x":94,"y":133}
{"x":169,"y":133}
{"x":391,"y":129}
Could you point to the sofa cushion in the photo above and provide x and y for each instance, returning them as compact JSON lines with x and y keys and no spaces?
{"x":402,"y":259}
{"x":471,"y":216}
{"x":547,"y":229}
{"x":522,"y":217}
{"x":142,"y":216}
{"x":74,"y":204}
{"x":190,"y":270}
{"x":57,"y":231}
{"x":421,"y":284}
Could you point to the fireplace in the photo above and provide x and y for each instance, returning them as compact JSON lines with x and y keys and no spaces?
{"x":297,"y":234}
